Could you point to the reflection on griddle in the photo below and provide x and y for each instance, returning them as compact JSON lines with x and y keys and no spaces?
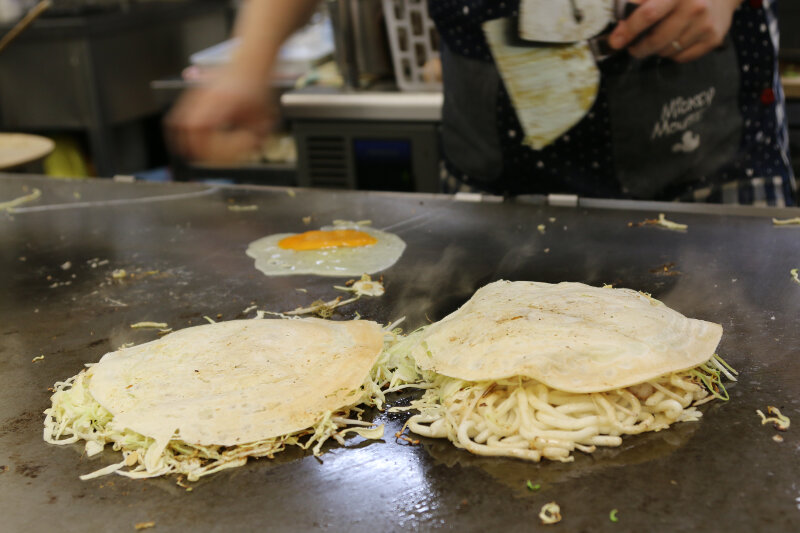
{"x":515,"y":473}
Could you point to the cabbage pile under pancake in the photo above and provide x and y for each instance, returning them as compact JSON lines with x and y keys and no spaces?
{"x":208,"y":397}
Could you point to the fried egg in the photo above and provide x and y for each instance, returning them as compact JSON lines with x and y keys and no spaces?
{"x":344,"y":249}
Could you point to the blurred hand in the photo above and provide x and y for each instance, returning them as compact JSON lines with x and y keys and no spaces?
{"x":221,"y":123}
{"x":682,"y":30}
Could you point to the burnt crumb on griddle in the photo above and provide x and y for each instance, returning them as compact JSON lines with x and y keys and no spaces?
{"x":667,"y":269}
{"x":398,"y":437}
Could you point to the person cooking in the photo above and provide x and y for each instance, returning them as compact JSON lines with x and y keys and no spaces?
{"x":693,"y":111}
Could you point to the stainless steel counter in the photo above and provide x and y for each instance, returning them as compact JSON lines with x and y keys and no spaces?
{"x":723,"y":473}
{"x":335,"y":104}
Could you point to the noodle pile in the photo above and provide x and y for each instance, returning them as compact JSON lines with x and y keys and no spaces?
{"x":526,"y":419}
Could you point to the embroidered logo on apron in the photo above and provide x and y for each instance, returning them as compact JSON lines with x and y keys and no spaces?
{"x":672,"y":124}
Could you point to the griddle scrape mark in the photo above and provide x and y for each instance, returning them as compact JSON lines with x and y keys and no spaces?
{"x":20,"y":422}
{"x":97,"y":342}
{"x":29,"y":470}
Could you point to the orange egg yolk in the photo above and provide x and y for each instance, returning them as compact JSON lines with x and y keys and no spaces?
{"x":318,"y":239}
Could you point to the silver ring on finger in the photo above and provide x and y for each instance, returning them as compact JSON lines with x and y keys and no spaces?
{"x":677,"y":46}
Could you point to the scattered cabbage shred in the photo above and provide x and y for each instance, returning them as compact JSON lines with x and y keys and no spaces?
{"x":779,"y":420}
{"x":550,"y":513}
{"x":786,"y":221}
{"x":16,"y":202}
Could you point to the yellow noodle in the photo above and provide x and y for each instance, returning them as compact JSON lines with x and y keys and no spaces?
{"x":526,"y":419}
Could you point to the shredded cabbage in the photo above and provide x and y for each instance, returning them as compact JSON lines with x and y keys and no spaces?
{"x":16,"y":202}
{"x":786,"y":221}
{"x":146,"y":325}
{"x":780,"y":421}
{"x":550,"y":513}
{"x":660,"y":221}
{"x":364,"y":287}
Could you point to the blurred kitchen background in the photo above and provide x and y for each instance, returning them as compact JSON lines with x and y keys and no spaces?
{"x":359,"y":90}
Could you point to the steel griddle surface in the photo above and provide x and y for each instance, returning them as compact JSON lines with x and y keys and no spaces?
{"x":724,"y":473}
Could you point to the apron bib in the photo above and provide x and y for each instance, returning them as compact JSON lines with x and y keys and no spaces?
{"x":672,"y":124}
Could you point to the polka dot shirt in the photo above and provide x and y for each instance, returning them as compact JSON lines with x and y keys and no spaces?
{"x":581,"y":161}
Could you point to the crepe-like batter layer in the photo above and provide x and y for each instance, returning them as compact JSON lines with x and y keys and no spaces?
{"x":570,"y":336}
{"x":237,"y":382}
